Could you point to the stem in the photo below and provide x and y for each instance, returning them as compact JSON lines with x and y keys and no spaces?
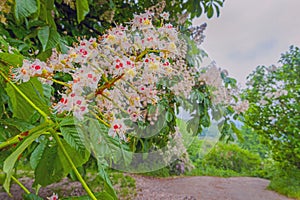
{"x":101,"y":120}
{"x":115,"y":104}
{"x":108,"y":84}
{"x":85,"y":186}
{"x":4,"y":111}
{"x":61,"y":83}
{"x":24,"y":96}
{"x":20,"y":184}
{"x":20,"y":136}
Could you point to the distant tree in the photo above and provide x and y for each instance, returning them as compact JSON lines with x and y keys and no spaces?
{"x":274,"y":97}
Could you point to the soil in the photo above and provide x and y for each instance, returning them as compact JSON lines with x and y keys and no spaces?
{"x":174,"y":188}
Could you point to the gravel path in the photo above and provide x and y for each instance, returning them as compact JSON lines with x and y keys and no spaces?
{"x":204,"y":188}
{"x":174,"y":188}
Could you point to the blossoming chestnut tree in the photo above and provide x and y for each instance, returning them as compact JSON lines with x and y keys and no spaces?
{"x":118,"y":97}
{"x":273,"y":94}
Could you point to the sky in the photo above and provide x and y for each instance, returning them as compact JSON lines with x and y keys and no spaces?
{"x":249,"y":33}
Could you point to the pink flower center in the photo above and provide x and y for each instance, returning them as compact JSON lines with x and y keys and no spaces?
{"x":63,"y":100}
{"x":37,"y":67}
{"x":78,"y":102}
{"x":82,"y":108}
{"x":116,"y":126}
{"x":83,"y":52}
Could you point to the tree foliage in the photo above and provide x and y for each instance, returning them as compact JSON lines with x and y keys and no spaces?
{"x":32,"y":25}
{"x":274,"y":96}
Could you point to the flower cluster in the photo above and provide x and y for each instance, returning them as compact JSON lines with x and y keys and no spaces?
{"x":116,"y":76}
{"x":220,"y":93}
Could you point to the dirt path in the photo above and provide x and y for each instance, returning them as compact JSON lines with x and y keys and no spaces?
{"x":204,"y":188}
{"x":177,"y":188}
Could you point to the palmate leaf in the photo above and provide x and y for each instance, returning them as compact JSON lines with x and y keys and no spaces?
{"x":33,"y":89}
{"x":104,"y":146}
{"x":53,"y":166}
{"x":72,"y":136}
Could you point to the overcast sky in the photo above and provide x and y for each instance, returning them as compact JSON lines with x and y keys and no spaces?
{"x":249,"y":33}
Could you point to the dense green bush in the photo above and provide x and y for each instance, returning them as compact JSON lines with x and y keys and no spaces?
{"x":286,"y":181}
{"x":232,"y":157}
{"x":197,"y":150}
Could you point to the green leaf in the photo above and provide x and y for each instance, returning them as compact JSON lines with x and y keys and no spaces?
{"x":43,"y":35}
{"x":54,"y":166}
{"x":11,"y":59}
{"x":50,"y":168}
{"x":169,"y":116}
{"x":37,"y":154}
{"x":82,"y":9}
{"x":99,"y":195}
{"x":46,"y":12}
{"x":54,"y":39}
{"x":106,"y":147}
{"x":10,"y":161}
{"x":217,"y":10}
{"x":47,"y":93}
{"x":108,"y":185}
{"x":31,"y":197}
{"x":210,"y":11}
{"x":3,"y":43}
{"x":44,"y":55}
{"x":21,"y":125}
{"x":33,"y":89}
{"x":24,"y":8}
{"x":72,"y":136}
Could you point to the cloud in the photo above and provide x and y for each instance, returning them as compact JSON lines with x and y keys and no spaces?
{"x":251,"y":33}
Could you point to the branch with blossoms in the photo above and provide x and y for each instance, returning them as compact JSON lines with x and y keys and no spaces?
{"x":123,"y":65}
{"x":123,"y":91}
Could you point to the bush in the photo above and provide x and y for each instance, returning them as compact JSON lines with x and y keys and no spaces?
{"x":198,"y":149}
{"x":286,"y":181}
{"x":232,"y":157}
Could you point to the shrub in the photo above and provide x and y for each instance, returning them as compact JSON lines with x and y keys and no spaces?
{"x":198,"y":149}
{"x":232,"y":157}
{"x":286,"y":181}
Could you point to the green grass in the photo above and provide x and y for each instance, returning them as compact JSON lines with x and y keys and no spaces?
{"x":286,"y":182}
{"x":123,"y":184}
{"x":212,"y":171}
{"x":163,"y":172}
